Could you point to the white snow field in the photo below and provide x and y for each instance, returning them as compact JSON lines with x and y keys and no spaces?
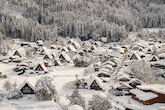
{"x":61,"y":75}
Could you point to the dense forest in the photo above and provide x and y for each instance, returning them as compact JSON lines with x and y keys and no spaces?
{"x":86,"y":19}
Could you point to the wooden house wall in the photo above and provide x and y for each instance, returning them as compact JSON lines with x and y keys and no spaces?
{"x":27,"y":89}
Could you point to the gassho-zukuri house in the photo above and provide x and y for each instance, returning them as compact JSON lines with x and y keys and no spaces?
{"x":149,"y":94}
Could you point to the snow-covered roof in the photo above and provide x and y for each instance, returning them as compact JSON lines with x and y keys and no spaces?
{"x":107,"y":66}
{"x":58,"y":61}
{"x":104,"y":70}
{"x":33,"y":44}
{"x":53,"y":46}
{"x":4,"y":57}
{"x":141,"y":43}
{"x":49,"y":56}
{"x":66,"y":56}
{"x":71,"y":48}
{"x":135,"y":47}
{"x":76,"y":44}
{"x":42,"y":65}
{"x":98,"y":43}
{"x":122,"y":86}
{"x":144,"y":96}
{"x":109,"y":62}
{"x":30,"y":81}
{"x":124,"y":76}
{"x":21,"y":52}
{"x":135,"y":80}
{"x":64,"y":49}
{"x":160,"y":88}
{"x":86,"y":43}
{"x":104,"y":39}
{"x":17,"y":41}
{"x":96,"y":64}
{"x":98,"y":81}
{"x":161,"y":108}
{"x":148,"y":50}
{"x":152,"y":57}
{"x":40,"y":42}
{"x":134,"y":56}
{"x":45,"y":50}
{"x":161,"y":55}
{"x":92,"y":47}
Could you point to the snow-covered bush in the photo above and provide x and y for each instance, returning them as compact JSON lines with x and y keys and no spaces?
{"x":118,"y":93}
{"x":143,"y":71}
{"x":88,"y":71}
{"x":77,"y":99}
{"x":99,"y":103}
{"x":15,"y":94}
{"x":70,"y":85}
{"x":4,"y":76}
{"x":79,"y":84}
{"x":44,"y":88}
{"x":7,"y":85}
{"x":81,"y":61}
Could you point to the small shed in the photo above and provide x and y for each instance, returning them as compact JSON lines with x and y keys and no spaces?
{"x":19,"y":52}
{"x":27,"y":87}
{"x":152,"y":58}
{"x":135,"y":82}
{"x":57,"y":62}
{"x":48,"y":57}
{"x":96,"y":84}
{"x":103,"y":74}
{"x":64,"y":57}
{"x":71,"y":48}
{"x":134,"y":56}
{"x":103,"y":40}
{"x":39,"y":43}
{"x":123,"y":78}
{"x":161,"y":56}
{"x":64,"y":49}
{"x":41,"y":67}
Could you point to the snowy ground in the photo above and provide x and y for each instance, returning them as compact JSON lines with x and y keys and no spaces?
{"x":127,"y":101}
{"x":153,"y":29}
{"x":61,"y":76}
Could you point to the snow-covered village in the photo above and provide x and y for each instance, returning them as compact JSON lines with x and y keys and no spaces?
{"x":82,"y":55}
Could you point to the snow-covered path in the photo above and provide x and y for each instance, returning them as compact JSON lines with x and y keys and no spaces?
{"x":65,"y":74}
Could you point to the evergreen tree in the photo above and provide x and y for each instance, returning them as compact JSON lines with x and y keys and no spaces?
{"x":77,"y":99}
{"x":44,"y":89}
{"x":99,"y":103}
{"x":7,"y":85}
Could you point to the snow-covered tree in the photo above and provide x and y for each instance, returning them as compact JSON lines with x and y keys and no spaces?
{"x":88,"y":71}
{"x":77,"y":99}
{"x":29,"y":52}
{"x":15,"y":94}
{"x":7,"y":85}
{"x":99,"y":103}
{"x":44,"y":88}
{"x":14,"y":85}
{"x":145,"y":72}
{"x":81,"y":61}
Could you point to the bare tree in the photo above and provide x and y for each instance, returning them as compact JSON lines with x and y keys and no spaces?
{"x":7,"y":85}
